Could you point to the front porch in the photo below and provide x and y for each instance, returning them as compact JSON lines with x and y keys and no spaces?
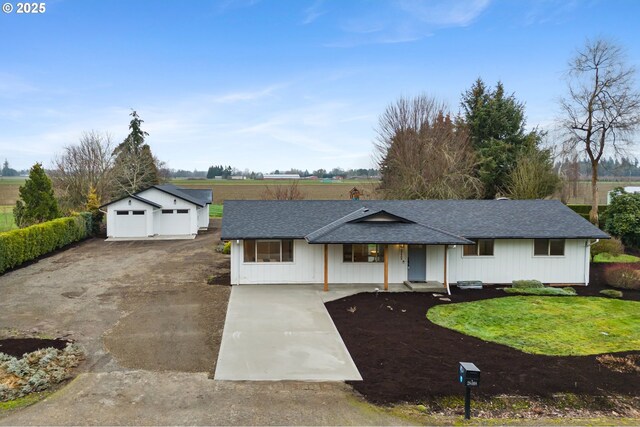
{"x":409,"y":266}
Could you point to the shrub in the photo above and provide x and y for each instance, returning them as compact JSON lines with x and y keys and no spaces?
{"x":26,"y":244}
{"x":612,"y":247}
{"x":525,"y":284}
{"x":565,"y":292}
{"x":227,"y":248}
{"x":38,"y":370}
{"x":622,"y":277}
{"x":623,"y":217}
{"x":611,"y":293}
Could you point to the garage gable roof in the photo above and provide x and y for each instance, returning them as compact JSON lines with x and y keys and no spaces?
{"x":179,"y":193}
{"x":133,"y":196}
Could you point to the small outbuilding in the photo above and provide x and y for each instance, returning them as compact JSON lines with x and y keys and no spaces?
{"x":163,"y":210}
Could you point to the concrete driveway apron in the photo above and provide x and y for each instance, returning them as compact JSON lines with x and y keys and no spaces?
{"x":281,"y":332}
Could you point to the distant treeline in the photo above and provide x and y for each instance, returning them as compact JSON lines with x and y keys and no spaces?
{"x":609,"y":167}
{"x":226,"y":172}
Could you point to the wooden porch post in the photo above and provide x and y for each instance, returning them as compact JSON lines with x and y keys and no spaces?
{"x":326,"y":267}
{"x":386,"y":267}
{"x":446,"y":284}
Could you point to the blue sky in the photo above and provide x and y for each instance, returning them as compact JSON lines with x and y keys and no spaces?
{"x":270,"y":85}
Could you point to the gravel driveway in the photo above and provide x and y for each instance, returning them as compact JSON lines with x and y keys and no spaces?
{"x":151,"y":327}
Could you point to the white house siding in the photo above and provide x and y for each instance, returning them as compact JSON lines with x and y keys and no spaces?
{"x":167,"y":202}
{"x":435,"y":263}
{"x":203,"y":217}
{"x":123,"y":205}
{"x":514,"y":260}
{"x":308,"y":267}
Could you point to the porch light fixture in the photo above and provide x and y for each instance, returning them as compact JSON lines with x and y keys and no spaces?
{"x":174,"y":201}
{"x":129,"y":202}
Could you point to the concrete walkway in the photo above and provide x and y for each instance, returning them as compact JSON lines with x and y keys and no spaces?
{"x":281,"y":332}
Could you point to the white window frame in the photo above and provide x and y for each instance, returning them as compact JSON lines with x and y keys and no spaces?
{"x":378,"y":247}
{"x":255,"y":251}
{"x":548,"y":255}
{"x":477,"y":255}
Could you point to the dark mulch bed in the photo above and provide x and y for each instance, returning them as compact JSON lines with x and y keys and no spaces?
{"x":403,"y":357}
{"x":597,"y":282}
{"x":16,"y":347}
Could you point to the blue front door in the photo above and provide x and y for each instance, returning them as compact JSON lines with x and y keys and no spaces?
{"x":417,"y":265}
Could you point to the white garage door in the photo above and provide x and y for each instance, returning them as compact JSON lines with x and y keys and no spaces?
{"x":174,"y":222}
{"x":130,"y":224}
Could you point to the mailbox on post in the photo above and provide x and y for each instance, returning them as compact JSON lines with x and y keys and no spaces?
{"x":469,"y":375}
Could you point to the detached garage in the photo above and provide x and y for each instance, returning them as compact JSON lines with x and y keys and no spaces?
{"x":159,"y":211}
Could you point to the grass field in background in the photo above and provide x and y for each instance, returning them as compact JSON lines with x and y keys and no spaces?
{"x":215,"y":211}
{"x":6,"y":218}
{"x":186,"y":181}
{"x":555,"y":326}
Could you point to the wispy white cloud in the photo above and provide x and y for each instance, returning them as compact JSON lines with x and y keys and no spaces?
{"x":313,"y":12}
{"x":445,"y":13}
{"x":404,"y":21}
{"x":12,"y":85}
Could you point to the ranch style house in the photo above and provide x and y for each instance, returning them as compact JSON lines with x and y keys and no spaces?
{"x":400,"y":241}
{"x":161,"y":210}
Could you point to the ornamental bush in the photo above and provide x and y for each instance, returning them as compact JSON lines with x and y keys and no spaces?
{"x":622,"y":277}
{"x":36,"y":371}
{"x":611,"y":293}
{"x":567,"y":292}
{"x":26,"y":244}
{"x":523,"y":284}
{"x":611,"y":246}
{"x":623,"y":217}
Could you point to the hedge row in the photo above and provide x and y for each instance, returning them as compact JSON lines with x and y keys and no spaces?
{"x":583,"y":211}
{"x":26,"y":244}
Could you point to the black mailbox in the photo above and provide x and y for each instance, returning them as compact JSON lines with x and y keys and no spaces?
{"x":469,"y":374}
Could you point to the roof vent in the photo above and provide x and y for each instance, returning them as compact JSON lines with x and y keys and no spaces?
{"x":365,"y":210}
{"x":502,"y":198}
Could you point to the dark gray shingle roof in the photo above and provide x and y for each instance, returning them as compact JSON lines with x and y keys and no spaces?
{"x":181,"y":193}
{"x":467,"y":219}
{"x":133,"y":196}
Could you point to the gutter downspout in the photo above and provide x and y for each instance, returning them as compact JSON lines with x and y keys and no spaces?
{"x":587,"y":258}
{"x":446,"y":269}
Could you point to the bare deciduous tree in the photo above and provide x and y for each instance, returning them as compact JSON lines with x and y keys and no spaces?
{"x":423,"y":154}
{"x":602,"y":109}
{"x":81,"y":167}
{"x":289,"y":191}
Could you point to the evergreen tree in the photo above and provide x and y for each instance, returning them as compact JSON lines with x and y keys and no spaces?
{"x":497,"y":130}
{"x":135,"y":167}
{"x":37,"y":203}
{"x":7,"y":171}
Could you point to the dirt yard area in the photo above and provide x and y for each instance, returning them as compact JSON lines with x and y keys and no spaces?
{"x":133,"y":305}
{"x":403,"y":357}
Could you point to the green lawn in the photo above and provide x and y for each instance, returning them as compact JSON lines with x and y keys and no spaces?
{"x":605,"y":257}
{"x":558,"y":326}
{"x":215,"y":211}
{"x":6,"y":218}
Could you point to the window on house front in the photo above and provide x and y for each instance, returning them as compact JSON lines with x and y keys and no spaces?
{"x":122,"y":212}
{"x":482,"y":247}
{"x":268,"y":251}
{"x":167,"y":211}
{"x":182,"y":211}
{"x":548,"y":247}
{"x":363,"y":253}
{"x":137,"y":212}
